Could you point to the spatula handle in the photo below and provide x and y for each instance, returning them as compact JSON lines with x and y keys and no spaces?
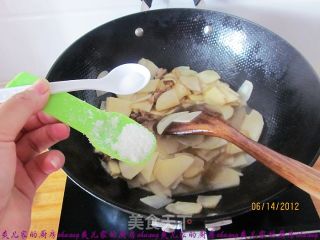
{"x":301,"y":175}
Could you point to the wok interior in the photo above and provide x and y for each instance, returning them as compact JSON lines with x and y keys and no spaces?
{"x":286,"y":92}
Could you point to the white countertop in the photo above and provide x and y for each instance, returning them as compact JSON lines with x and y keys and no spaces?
{"x":35,"y":32}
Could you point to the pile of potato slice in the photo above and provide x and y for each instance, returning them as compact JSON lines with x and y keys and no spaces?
{"x":185,"y":164}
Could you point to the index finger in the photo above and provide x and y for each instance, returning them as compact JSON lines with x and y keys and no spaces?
{"x":38,"y":120}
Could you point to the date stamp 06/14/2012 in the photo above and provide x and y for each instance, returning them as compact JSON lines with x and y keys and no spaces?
{"x":275,"y":206}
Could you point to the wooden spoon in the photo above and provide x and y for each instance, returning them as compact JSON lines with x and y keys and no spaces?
{"x":299,"y":174}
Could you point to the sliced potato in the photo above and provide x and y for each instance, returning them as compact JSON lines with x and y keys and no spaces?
{"x":226,"y":111}
{"x":169,"y":170}
{"x":105,"y":166}
{"x":103,"y":106}
{"x":245,"y":90}
{"x":170,"y":77}
{"x":129,"y":171}
{"x":186,"y":104}
{"x":227,"y":161}
{"x":238,"y":117}
{"x":208,"y":76}
{"x":205,"y":87}
{"x":211,"y":143}
{"x":113,"y":166}
{"x":184,"y":208}
{"x":140,"y":97}
{"x":164,"y":112}
{"x":182,"y":147}
{"x":183,"y":71}
{"x":221,"y":159}
{"x":141,"y":179}
{"x":133,"y":183}
{"x":189,"y":72}
{"x":207,"y":155}
{"x":192,"y":182}
{"x":214,"y":96}
{"x":182,"y":117}
{"x":167,"y":145}
{"x":167,"y":120}
{"x":176,"y":183}
{"x":253,"y":125}
{"x":195,"y":169}
{"x":163,"y":86}
{"x":187,"y":117}
{"x":143,"y":106}
{"x":198,"y":99}
{"x":158,"y":189}
{"x":191,"y":82}
{"x":157,"y":113}
{"x":138,"y":181}
{"x":147,"y":171}
{"x":156,"y":201}
{"x":181,"y":189}
{"x":181,"y":90}
{"x":183,"y":154}
{"x":118,"y":105}
{"x":224,"y":177}
{"x":209,"y":201}
{"x":171,"y":110}
{"x":146,"y":188}
{"x":190,"y":140}
{"x":130,"y":97}
{"x":151,"y":86}
{"x":163,"y":154}
{"x":160,"y":73}
{"x":232,"y":149}
{"x":177,"y":70}
{"x":230,"y":95}
{"x":237,"y":161}
{"x":221,"y":94}
{"x":150,"y":65}
{"x":167,"y":100}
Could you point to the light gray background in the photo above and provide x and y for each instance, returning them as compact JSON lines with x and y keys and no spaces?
{"x":35,"y":32}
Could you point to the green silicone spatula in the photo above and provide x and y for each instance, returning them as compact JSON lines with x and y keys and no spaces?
{"x":112,"y":133}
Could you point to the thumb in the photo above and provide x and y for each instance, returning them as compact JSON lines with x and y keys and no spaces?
{"x":17,"y":110}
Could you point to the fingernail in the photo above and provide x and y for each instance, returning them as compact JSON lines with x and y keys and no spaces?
{"x":55,"y":162}
{"x":41,"y":87}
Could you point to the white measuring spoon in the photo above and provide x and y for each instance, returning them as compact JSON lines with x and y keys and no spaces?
{"x":124,"y":79}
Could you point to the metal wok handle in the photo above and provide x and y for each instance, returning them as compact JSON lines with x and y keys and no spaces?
{"x":157,"y":4}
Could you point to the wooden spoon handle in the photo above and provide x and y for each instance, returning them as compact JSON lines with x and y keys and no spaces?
{"x":301,"y":175}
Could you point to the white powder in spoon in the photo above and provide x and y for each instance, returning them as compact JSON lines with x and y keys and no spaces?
{"x":134,"y":143}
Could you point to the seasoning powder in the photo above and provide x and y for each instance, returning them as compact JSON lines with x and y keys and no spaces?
{"x":134,"y":143}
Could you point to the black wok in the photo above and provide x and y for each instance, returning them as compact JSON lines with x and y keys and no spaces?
{"x":286,"y":92}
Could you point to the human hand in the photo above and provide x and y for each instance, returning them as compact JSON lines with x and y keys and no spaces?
{"x":25,"y":133}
